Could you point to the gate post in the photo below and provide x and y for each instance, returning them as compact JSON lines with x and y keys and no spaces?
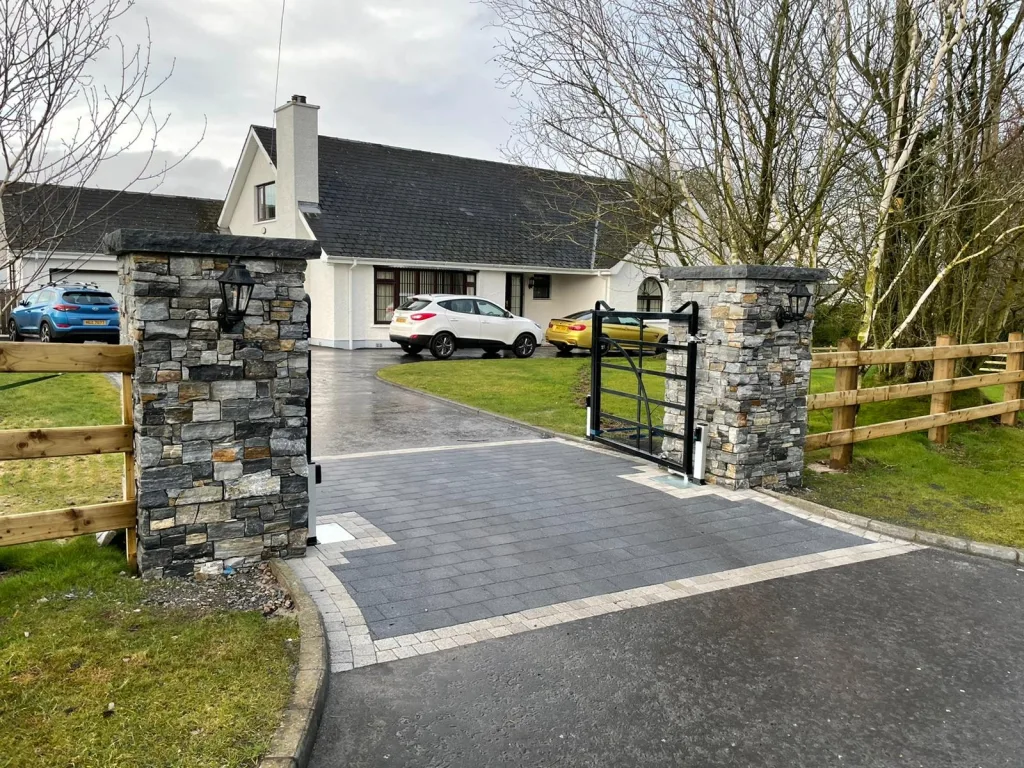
{"x":753,"y":374}
{"x":220,"y":415}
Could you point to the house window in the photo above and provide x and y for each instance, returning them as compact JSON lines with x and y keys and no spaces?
{"x":266,"y":202}
{"x":541,"y":286}
{"x":648,"y":298}
{"x":392,"y":287}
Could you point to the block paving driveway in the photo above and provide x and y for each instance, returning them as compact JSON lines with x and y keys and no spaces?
{"x":535,"y":602}
{"x":487,"y":531}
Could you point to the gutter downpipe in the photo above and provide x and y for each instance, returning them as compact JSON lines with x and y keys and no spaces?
{"x":351,"y":294}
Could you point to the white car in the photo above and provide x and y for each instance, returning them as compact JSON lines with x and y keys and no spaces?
{"x":443,"y":323}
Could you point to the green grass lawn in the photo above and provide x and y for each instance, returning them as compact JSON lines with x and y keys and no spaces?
{"x":189,"y":688}
{"x":74,"y":400}
{"x":547,"y":392}
{"x":969,"y":488}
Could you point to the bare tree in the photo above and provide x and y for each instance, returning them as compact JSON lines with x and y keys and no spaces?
{"x":947,"y":219}
{"x":59,"y":121}
{"x":724,"y":113}
{"x":866,"y":136}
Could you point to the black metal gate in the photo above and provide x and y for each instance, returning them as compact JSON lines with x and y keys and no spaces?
{"x":622,"y":412}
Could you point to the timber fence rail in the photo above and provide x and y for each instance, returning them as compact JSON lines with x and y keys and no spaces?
{"x":49,"y":442}
{"x":848,"y":396}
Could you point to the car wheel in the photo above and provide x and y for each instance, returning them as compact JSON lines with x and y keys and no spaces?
{"x":660,"y":349}
{"x":45,"y":333}
{"x":409,"y":349}
{"x":12,"y":331}
{"x":442,"y":346}
{"x":524,"y":346}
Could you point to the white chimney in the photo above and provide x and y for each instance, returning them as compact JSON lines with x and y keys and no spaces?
{"x":298,"y":160}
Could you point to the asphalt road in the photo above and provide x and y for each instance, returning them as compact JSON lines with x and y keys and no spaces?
{"x":915,"y":660}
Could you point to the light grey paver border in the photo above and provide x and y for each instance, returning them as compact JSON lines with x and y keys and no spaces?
{"x":432,"y":640}
{"x":292,"y":744}
{"x":350,"y":642}
{"x":861,"y":524}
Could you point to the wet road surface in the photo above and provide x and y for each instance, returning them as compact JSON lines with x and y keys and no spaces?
{"x":354,"y":412}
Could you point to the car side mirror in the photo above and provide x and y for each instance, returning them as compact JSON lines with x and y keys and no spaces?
{"x":508,"y":315}
{"x":23,"y":303}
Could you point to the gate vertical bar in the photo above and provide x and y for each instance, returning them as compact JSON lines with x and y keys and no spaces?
{"x":595,"y":373}
{"x":691,"y":391}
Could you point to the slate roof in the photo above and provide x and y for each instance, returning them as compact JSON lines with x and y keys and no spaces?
{"x":50,"y":217}
{"x":379,"y":202}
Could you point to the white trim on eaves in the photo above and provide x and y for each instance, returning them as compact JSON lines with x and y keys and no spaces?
{"x":532,"y":269}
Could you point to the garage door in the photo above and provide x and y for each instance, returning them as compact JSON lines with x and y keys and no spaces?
{"x":106,"y":281}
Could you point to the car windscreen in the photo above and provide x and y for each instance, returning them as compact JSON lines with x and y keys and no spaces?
{"x":414,"y":305}
{"x":88,"y":298}
{"x":578,"y":316}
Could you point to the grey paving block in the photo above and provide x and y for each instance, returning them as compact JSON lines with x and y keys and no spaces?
{"x":468,"y":547}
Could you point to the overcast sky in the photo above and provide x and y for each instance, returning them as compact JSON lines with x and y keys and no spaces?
{"x":411,"y":73}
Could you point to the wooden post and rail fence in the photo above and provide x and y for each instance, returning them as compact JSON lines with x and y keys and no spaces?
{"x":49,"y":442}
{"x":844,"y":401}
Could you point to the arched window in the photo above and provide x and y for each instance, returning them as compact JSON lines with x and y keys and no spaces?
{"x":648,"y":298}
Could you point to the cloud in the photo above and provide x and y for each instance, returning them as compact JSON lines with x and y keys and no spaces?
{"x":413,"y":73}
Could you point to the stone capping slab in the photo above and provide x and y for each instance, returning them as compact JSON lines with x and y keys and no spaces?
{"x":928,"y":538}
{"x":292,"y":744}
{"x":746,"y":271}
{"x":123,"y":241}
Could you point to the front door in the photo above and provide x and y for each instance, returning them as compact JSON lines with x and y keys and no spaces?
{"x":514,"y":293}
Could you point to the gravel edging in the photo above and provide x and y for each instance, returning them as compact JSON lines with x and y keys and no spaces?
{"x":292,"y":744}
{"x":928,"y":538}
{"x":480,"y":411}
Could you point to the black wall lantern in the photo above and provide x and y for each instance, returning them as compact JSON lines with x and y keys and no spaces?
{"x":236,"y":286}
{"x":799,"y":302}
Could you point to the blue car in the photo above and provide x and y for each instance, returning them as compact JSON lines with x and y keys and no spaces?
{"x":67,"y":312}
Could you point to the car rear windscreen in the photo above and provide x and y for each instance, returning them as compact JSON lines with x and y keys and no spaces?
{"x":88,"y":299}
{"x":414,"y":305}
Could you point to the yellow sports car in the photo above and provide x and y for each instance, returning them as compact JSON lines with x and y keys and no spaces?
{"x":574,"y":331}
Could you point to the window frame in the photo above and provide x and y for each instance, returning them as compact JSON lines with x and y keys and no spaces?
{"x":503,"y":313}
{"x":415,"y":279}
{"x":261,"y":205}
{"x":537,"y":281}
{"x":645,"y":301}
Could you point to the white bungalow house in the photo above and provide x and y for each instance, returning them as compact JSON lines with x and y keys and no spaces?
{"x":394,"y":222}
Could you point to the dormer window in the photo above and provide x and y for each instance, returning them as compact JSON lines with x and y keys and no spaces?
{"x":266,"y":202}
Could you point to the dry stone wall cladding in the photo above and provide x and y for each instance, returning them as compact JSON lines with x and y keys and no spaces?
{"x":753,"y":376}
{"x":220,"y":417}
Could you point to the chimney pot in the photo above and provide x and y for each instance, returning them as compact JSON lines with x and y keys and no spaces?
{"x":299,"y":99}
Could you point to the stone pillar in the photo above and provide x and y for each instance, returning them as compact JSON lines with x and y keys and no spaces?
{"x":220,"y":417}
{"x":752,"y":376}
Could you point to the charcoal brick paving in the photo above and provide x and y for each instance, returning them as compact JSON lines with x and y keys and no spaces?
{"x":487,"y":531}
